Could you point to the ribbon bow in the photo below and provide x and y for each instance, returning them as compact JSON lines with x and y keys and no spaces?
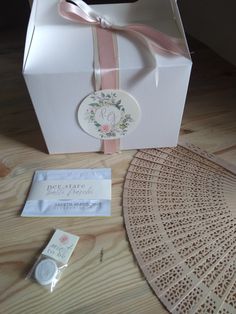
{"x":157,"y":42}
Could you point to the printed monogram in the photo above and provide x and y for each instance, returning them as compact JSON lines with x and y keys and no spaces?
{"x":108,"y":115}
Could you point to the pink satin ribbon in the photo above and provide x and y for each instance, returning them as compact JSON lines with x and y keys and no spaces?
{"x":106,"y":61}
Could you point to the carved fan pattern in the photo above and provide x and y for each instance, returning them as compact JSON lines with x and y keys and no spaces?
{"x":180,"y":214}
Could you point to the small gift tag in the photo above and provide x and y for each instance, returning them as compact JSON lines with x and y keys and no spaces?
{"x":109,"y":114}
{"x":61,"y":246}
{"x":54,"y":259}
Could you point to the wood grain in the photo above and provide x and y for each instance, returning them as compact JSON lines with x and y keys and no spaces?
{"x":103,"y":276}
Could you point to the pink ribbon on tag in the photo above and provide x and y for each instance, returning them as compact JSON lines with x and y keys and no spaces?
{"x":106,"y":68}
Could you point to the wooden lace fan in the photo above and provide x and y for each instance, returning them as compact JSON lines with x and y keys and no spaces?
{"x":180,"y":214}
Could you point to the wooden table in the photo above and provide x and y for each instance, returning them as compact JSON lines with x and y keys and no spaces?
{"x":103,"y":276}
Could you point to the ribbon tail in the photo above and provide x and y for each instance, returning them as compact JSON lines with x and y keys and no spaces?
{"x":111,"y":146}
{"x":161,"y":43}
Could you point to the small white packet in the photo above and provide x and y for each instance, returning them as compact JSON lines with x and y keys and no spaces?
{"x":69,"y":193}
{"x":49,"y":266}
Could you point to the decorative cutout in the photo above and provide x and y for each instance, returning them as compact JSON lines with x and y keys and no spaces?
{"x":179,"y":208}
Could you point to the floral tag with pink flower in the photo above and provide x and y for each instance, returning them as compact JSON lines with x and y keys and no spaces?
{"x":61,"y":246}
{"x":109,"y":114}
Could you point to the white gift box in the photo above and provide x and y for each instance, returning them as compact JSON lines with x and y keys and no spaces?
{"x":58,"y":70}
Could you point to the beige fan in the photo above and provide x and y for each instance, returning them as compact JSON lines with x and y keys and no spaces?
{"x":180,"y":215}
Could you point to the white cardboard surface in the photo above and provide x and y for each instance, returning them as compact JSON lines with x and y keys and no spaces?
{"x":58,"y":70}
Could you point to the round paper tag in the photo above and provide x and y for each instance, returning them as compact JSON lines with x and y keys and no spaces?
{"x":109,"y":114}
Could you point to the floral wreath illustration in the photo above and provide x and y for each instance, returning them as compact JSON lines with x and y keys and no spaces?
{"x":108,"y":130}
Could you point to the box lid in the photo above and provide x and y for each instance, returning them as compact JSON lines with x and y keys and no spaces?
{"x":56,"y":45}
